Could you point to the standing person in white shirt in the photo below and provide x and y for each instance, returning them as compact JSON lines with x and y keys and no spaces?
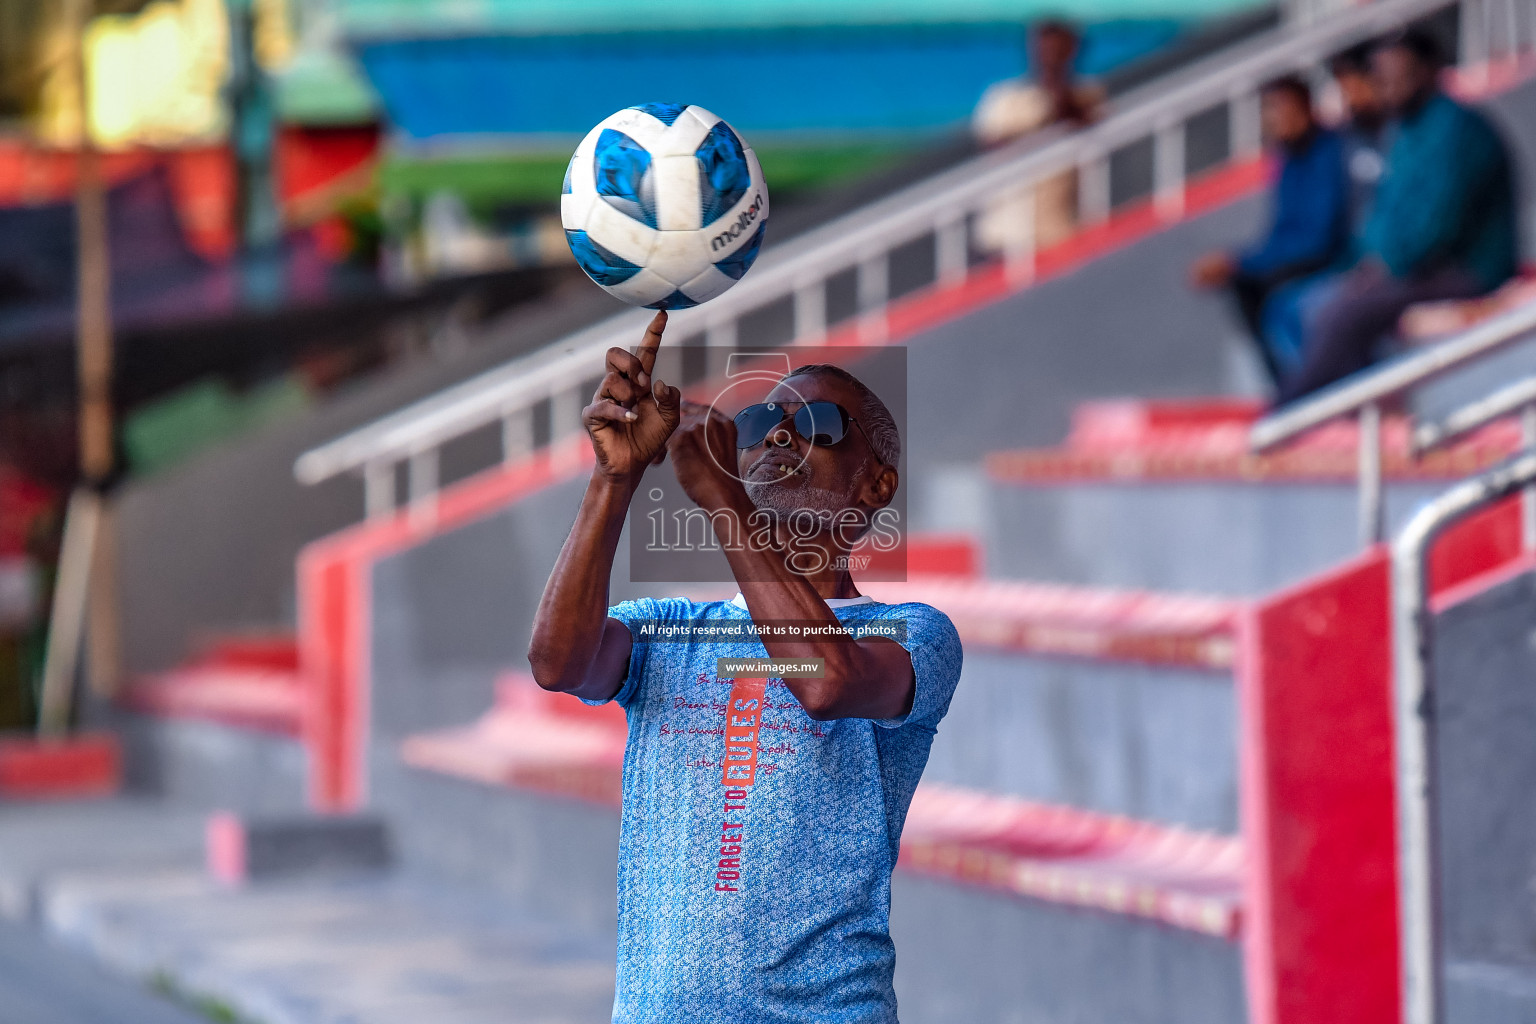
{"x":1051,"y":94}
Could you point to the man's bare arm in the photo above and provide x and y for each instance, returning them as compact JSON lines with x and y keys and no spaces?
{"x":868,"y":678}
{"x":576,"y":647}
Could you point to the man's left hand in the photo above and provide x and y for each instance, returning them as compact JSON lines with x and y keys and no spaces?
{"x":703,"y":451}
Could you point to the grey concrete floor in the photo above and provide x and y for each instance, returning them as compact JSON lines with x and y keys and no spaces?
{"x":113,"y":892}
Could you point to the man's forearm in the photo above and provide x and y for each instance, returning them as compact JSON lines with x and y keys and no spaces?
{"x":861,"y":679}
{"x":568,"y":626}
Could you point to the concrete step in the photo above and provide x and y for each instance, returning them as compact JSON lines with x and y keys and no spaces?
{"x":1477,"y":992}
{"x":1165,"y":495}
{"x":248,"y":681}
{"x":552,"y":744}
{"x":1109,"y":700}
{"x":1216,"y":537}
{"x":1154,"y":742}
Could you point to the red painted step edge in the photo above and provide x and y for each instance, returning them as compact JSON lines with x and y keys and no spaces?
{"x":84,"y":765}
{"x":1180,"y":877}
{"x":251,"y":697}
{"x":1084,"y":622}
{"x":1218,"y":451}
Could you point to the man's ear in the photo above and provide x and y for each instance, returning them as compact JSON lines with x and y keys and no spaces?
{"x":879,"y":487}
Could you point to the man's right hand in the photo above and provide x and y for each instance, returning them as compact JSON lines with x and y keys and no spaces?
{"x":632,"y":415}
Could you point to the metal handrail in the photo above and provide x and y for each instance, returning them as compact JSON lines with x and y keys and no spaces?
{"x":863,"y":241}
{"x":1413,"y":725}
{"x":1393,"y":378}
{"x":1517,"y":397}
{"x":1364,"y":394}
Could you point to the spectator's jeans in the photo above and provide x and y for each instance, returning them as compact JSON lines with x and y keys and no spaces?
{"x":1253,"y":295}
{"x":1365,"y":305}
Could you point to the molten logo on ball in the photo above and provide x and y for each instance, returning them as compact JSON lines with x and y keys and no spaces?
{"x":659,"y":205}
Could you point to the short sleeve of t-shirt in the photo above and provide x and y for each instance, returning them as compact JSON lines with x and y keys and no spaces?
{"x":934,"y":645}
{"x":629,"y":613}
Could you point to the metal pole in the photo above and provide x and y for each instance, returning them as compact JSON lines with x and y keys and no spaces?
{"x":84,"y":597}
{"x":1528,"y":495}
{"x":1371,"y":519}
{"x":1414,"y":734}
{"x":67,"y":618}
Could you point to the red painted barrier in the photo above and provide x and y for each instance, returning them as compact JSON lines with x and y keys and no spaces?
{"x":334,"y":616}
{"x":85,"y":765}
{"x":1317,"y":806}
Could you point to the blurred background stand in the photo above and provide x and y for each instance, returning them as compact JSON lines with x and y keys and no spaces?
{"x":84,"y":597}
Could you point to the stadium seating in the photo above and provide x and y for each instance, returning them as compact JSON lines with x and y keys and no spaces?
{"x":1147,"y":611}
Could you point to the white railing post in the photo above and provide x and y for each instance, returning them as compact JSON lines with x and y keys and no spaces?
{"x":951,"y":253}
{"x":811,"y":311}
{"x":421,"y":479}
{"x":721,"y":334}
{"x":1019,"y":247}
{"x":874,"y":288}
{"x":1244,"y":133}
{"x":1371,"y":518}
{"x":516,"y":434}
{"x":565,"y":407}
{"x":378,"y":489}
{"x":1168,"y":171}
{"x":1093,"y":188}
{"x":1474,"y":35}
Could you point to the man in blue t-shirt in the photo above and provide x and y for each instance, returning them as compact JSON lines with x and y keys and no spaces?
{"x":763,"y":803}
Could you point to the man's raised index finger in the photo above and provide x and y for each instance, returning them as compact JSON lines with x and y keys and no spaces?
{"x":649,"y":344}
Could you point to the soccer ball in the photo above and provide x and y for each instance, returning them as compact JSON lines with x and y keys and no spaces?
{"x":664,"y":206}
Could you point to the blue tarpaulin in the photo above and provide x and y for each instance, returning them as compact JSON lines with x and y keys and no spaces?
{"x":810,"y":81}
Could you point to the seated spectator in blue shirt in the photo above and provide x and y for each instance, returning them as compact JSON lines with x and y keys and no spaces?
{"x":1443,"y":224}
{"x":1363,"y":131}
{"x":1309,"y":227}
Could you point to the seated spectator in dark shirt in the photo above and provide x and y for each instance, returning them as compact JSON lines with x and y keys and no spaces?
{"x":1309,"y":227}
{"x":1364,"y":128}
{"x":1443,"y":224}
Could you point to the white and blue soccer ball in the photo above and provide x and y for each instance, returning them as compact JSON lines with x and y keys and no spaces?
{"x":664,"y":205}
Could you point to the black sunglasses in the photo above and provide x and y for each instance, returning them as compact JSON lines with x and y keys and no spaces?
{"x":820,"y":423}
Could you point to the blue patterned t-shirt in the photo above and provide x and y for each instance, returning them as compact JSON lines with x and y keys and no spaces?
{"x":755,"y":877}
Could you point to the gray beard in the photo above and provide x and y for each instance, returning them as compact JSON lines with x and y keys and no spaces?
{"x":786,"y":505}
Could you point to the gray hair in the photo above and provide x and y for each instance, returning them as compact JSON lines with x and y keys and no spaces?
{"x":878,"y":423}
